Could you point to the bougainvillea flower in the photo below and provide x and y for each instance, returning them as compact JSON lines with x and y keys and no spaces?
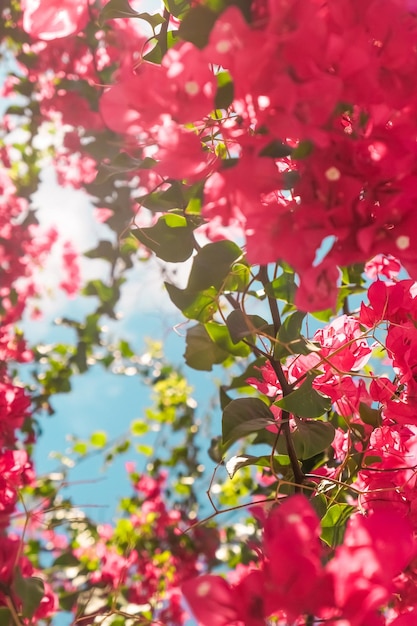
{"x":54,"y":19}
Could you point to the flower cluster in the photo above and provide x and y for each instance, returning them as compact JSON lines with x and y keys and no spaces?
{"x":349,"y":164}
{"x":294,"y":123}
{"x":292,"y":581}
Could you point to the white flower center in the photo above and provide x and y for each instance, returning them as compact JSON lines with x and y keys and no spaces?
{"x":223,"y":46}
{"x":332,"y":174}
{"x":192,"y":88}
{"x":203,"y":589}
{"x":402,"y":242}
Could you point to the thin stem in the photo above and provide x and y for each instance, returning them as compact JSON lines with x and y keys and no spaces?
{"x":298,"y":474}
{"x":273,"y":306}
{"x":13,"y":612}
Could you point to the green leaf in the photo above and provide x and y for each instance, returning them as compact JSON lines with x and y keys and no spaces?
{"x":370,"y":459}
{"x":197,"y":24}
{"x":242,"y":417}
{"x":303,"y":149}
{"x":144,"y":449}
{"x":139,"y":428}
{"x":125,"y":349}
{"x":225,"y":91}
{"x":153,"y":20}
{"x":177,"y":7}
{"x":201,"y":352}
{"x":235,"y":463}
{"x":104,"y":250}
{"x":221,"y":337}
{"x":276,"y":150}
{"x":312,"y":437}
{"x":98,"y":439}
{"x":238,"y":278}
{"x":121,"y":164}
{"x":241,"y":325}
{"x":282,"y":288}
{"x":98,"y":288}
{"x":30,"y":591}
{"x":369,"y":415}
{"x":66,"y":560}
{"x":319,"y":504}
{"x":158,"y":201}
{"x":289,"y":339}
{"x":81,"y":448}
{"x":305,"y":401}
{"x":195,"y":305}
{"x":154,"y":55}
{"x":334,"y":522}
{"x":116,"y":9}
{"x":212,"y":264}
{"x":224,"y":398}
{"x":67,"y":601}
{"x":5,"y":617}
{"x":171,"y":239}
{"x":215,"y":450}
{"x":158,"y":51}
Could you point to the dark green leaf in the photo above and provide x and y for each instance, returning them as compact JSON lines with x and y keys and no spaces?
{"x":30,"y":591}
{"x":67,"y":601}
{"x":289,"y":179}
{"x":195,"y":305}
{"x":158,"y":51}
{"x":370,"y":459}
{"x":177,"y":7}
{"x":66,"y":560}
{"x":225,"y":91}
{"x":242,"y":417}
{"x":197,"y":24}
{"x":153,"y":20}
{"x":215,"y":449}
{"x":276,"y":150}
{"x":154,"y":56}
{"x":212,"y":264}
{"x":201,"y":353}
{"x":369,"y":415}
{"x":5,"y":617}
{"x":282,"y":288}
{"x":334,"y":522}
{"x":158,"y":201}
{"x":171,"y":239}
{"x":104,"y":250}
{"x":225,"y":399}
{"x":303,"y":149}
{"x":319,"y":504}
{"x":289,"y":339}
{"x":120,"y":164}
{"x":116,"y":9}
{"x":305,"y":401}
{"x":312,"y":437}
{"x":241,"y":325}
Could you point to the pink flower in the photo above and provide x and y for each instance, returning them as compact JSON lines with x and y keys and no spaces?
{"x":54,"y":19}
{"x":382,"y":264}
{"x":72,"y":280}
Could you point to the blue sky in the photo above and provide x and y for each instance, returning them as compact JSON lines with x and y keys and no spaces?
{"x":101,"y":400}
